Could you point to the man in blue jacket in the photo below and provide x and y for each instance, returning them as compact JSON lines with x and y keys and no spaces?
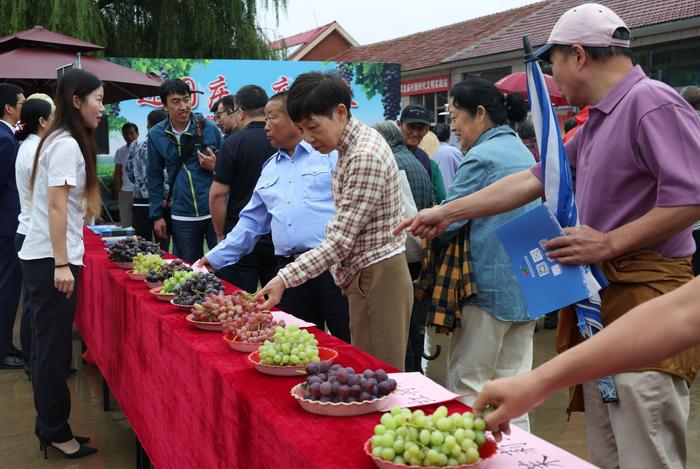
{"x":179,"y":144}
{"x":11,"y":101}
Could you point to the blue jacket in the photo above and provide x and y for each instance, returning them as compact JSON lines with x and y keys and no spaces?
{"x":496,"y":154}
{"x":191,"y":190}
{"x":9,"y":198}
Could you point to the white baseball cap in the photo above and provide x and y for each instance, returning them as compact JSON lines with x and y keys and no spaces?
{"x":590,"y":24}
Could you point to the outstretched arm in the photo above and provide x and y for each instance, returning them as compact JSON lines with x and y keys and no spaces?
{"x":648,"y":333}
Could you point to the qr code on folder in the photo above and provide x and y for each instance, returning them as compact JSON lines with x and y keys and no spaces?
{"x":542,"y":269}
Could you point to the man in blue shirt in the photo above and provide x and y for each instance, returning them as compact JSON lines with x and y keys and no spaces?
{"x":292,"y":199}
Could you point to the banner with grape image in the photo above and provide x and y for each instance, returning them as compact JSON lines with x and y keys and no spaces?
{"x":375,"y":86}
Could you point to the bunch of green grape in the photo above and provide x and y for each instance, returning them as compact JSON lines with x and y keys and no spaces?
{"x":178,"y":277}
{"x":417,"y":439}
{"x":291,"y":346}
{"x":143,"y":263}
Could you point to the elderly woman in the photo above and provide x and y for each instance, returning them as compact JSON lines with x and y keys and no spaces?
{"x":495,"y":339}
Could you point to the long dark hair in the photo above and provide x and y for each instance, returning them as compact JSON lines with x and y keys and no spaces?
{"x":472,"y":92}
{"x":76,"y":83}
{"x":32,"y":111}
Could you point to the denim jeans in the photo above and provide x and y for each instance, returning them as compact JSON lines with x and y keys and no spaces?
{"x":189,"y":236}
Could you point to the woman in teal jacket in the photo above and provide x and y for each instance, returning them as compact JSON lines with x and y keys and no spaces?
{"x":495,"y":339}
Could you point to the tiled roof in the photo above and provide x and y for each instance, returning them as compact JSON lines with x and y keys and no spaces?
{"x":430,"y":47}
{"x":301,"y":38}
{"x":635,"y":13}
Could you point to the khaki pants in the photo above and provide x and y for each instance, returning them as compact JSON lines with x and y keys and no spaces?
{"x":485,"y":348}
{"x":380,"y":299}
{"x":645,"y":429}
{"x":126,"y":201}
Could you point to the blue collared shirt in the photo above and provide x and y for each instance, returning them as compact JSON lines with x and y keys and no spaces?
{"x":497,"y":153}
{"x":292,"y":198}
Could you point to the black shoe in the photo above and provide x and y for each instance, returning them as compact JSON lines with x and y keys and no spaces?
{"x":11,"y":362}
{"x":81,"y":439}
{"x":82,"y":451}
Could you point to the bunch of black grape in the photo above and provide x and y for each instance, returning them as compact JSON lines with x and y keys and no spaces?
{"x":346,"y":73}
{"x":194,"y":289}
{"x":166,"y":271}
{"x":326,"y":383}
{"x":391,"y":96}
{"x":126,"y":249}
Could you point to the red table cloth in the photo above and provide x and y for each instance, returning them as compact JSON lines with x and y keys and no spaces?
{"x":193,"y":401}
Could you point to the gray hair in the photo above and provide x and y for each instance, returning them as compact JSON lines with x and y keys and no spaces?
{"x":692,"y":95}
{"x":390,"y":131}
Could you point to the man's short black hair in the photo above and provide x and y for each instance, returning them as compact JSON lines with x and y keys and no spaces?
{"x":215,"y":106}
{"x":442,"y":132}
{"x":156,"y":116}
{"x":282,"y":98}
{"x":8,"y":96}
{"x":173,"y":86}
{"x":228,"y":102}
{"x":130,"y":125}
{"x":317,"y":93}
{"x":251,"y":99}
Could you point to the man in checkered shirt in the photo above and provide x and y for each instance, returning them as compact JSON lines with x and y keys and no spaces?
{"x":367,"y":261}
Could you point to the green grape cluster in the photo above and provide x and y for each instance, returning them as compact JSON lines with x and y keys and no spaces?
{"x":291,"y":346}
{"x":143,"y":263}
{"x":179,"y":276}
{"x":417,"y":439}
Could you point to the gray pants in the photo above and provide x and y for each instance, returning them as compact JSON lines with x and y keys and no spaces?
{"x":646,"y":429}
{"x":126,"y":201}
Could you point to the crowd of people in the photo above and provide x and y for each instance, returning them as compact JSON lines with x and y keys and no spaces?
{"x":321,"y":215}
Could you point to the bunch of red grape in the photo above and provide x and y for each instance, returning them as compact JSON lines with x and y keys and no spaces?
{"x":251,"y":327}
{"x":334,"y":383}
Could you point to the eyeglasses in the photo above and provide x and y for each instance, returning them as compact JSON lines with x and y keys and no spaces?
{"x":228,"y":112}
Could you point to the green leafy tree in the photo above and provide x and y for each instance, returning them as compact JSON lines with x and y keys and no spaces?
{"x":151,"y":28}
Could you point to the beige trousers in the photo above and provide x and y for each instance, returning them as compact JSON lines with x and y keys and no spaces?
{"x":380,"y":299}
{"x":645,"y":429}
{"x":485,"y":348}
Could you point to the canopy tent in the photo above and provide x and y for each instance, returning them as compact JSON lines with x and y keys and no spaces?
{"x":31,"y":58}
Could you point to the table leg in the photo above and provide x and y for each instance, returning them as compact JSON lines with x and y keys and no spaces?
{"x":105,"y":396}
{"x":142,"y":460}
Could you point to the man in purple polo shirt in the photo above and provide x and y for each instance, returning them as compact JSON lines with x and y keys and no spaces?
{"x":637,"y":178}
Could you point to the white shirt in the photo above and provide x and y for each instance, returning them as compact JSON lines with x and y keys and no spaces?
{"x":23,"y":175}
{"x":121,"y":157}
{"x":61,"y":162}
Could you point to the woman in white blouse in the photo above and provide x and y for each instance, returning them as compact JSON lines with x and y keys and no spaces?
{"x":64,"y":191}
{"x":34,"y":118}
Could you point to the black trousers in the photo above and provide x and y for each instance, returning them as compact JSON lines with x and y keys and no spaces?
{"x":52,"y":322}
{"x":416,"y":329}
{"x":320,"y":301}
{"x":143,"y":225}
{"x":10,"y":288}
{"x":260,"y":265}
{"x":25,"y":326}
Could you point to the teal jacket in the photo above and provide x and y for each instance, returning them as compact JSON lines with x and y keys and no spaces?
{"x":496,"y":154}
{"x":191,"y":190}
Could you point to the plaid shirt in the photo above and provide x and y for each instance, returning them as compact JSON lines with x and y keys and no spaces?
{"x":418,"y":177}
{"x":368,"y":206}
{"x":446,"y":279}
{"x":136,"y":166}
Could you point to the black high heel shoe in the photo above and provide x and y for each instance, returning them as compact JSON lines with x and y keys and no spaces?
{"x":82,"y":451}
